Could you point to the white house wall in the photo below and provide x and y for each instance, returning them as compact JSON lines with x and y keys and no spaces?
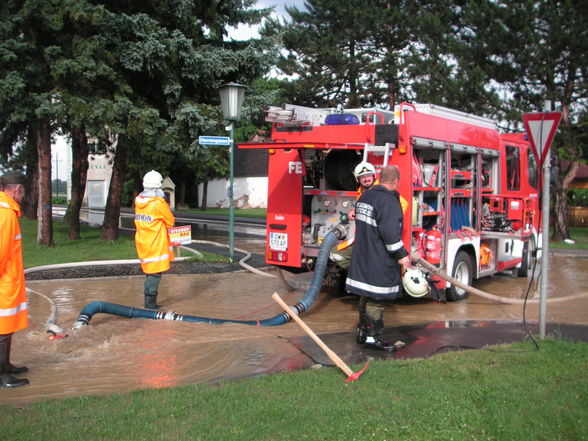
{"x":247,"y":193}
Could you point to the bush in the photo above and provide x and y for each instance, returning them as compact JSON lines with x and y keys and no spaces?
{"x":59,"y":200}
{"x":578,"y":197}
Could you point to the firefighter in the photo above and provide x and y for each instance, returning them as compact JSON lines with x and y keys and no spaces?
{"x":13,"y":300}
{"x":365,"y":174}
{"x":379,"y":258}
{"x":152,"y":219}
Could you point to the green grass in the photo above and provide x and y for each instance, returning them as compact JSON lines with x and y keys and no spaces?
{"x":88,"y":248}
{"x":509,"y":393}
{"x":257,"y":213}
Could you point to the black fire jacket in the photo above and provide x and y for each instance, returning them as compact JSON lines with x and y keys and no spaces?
{"x":374,"y":269}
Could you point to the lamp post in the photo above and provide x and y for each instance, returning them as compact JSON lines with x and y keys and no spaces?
{"x":231,"y":96}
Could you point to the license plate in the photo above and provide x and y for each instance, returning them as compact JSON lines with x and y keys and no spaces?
{"x":278,"y":241}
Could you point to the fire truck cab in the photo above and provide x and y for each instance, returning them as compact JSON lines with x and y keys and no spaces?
{"x":473,"y":192}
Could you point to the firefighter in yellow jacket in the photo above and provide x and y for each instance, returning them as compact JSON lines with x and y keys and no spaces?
{"x":152,"y":219}
{"x":13,"y":300}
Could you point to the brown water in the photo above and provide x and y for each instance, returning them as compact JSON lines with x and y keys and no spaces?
{"x":115,"y":354}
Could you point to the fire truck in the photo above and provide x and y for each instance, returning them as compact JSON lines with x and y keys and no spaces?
{"x":473,"y":191}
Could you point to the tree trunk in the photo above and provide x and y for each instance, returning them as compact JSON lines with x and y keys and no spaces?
{"x":204,"y":195}
{"x":561,"y":219}
{"x":31,"y":202}
{"x":561,"y":229}
{"x":45,"y":210}
{"x":110,"y":229}
{"x":181,"y":192}
{"x":79,"y":174}
{"x":197,"y":195}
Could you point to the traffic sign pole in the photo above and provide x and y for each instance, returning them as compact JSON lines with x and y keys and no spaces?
{"x":541,"y":128}
{"x":545,"y":247}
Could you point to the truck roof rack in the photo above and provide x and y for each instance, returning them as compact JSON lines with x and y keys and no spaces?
{"x":444,"y":112}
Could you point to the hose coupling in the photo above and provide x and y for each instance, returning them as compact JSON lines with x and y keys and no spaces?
{"x":340,"y":230}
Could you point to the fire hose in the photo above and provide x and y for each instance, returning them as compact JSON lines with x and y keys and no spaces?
{"x":477,"y":292}
{"x":304,"y":304}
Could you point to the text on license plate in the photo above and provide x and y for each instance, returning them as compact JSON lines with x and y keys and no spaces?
{"x":278,"y":241}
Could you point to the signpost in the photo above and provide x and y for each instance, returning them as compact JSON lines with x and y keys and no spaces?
{"x":214,"y":140}
{"x":541,"y":128}
{"x":231,"y":97}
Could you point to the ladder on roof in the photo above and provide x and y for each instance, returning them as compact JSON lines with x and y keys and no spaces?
{"x":378,"y":149}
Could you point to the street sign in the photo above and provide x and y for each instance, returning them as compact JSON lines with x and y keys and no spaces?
{"x":214,"y":140}
{"x":541,"y":128}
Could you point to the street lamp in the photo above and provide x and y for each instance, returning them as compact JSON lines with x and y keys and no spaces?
{"x":231,"y":96}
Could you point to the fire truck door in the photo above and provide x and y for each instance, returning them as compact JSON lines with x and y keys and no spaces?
{"x":284,"y":208}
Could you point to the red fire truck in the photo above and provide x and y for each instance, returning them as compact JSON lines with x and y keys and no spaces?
{"x":473,"y":192}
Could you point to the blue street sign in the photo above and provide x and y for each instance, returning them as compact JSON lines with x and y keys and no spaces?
{"x":214,"y":140}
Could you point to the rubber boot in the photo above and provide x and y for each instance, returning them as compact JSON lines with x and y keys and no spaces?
{"x":12,"y":369}
{"x":151,"y":301}
{"x":361,"y":327}
{"x":7,"y":380}
{"x":374,"y":337}
{"x":150,"y":290}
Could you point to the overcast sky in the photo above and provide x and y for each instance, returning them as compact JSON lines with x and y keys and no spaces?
{"x":247,"y":32}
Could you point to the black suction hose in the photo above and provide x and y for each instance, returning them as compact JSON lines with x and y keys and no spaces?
{"x":305,"y":304}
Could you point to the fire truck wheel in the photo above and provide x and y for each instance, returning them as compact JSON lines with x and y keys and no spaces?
{"x":463,"y":272}
{"x":527,"y":263}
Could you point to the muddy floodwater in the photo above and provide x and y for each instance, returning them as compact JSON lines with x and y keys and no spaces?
{"x":115,"y":354}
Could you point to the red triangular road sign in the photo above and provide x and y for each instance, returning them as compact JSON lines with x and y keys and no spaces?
{"x":541,"y":128}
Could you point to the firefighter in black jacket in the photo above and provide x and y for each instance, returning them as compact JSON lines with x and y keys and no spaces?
{"x":379,"y":257}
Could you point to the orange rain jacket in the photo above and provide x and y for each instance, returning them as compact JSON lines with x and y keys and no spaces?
{"x":13,"y":298}
{"x":152,"y":219}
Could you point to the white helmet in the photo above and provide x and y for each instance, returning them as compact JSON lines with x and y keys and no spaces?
{"x":415,"y":283}
{"x":364,"y":168}
{"x":152,"y":179}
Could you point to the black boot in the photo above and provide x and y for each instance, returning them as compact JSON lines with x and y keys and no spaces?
{"x":151,"y":301}
{"x":12,"y":369}
{"x":374,"y":337}
{"x":361,"y":328}
{"x":7,"y":380}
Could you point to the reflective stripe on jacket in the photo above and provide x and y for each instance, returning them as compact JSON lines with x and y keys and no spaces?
{"x":374,"y":269}
{"x":152,"y":219}
{"x":13,"y":299}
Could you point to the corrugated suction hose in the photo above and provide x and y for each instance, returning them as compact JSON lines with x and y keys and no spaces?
{"x":337,"y":233}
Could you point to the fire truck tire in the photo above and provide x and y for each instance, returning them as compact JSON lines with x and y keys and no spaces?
{"x":463,"y":271}
{"x":527,"y":263}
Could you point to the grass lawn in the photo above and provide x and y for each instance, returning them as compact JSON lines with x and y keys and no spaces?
{"x":578,"y":234}
{"x":505,"y":393}
{"x":88,"y":248}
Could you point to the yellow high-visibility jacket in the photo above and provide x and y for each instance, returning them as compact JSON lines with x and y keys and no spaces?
{"x":13,"y":297}
{"x":152,"y":219}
